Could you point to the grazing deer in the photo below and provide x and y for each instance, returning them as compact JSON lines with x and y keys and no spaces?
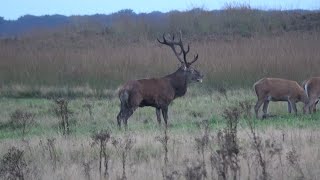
{"x":159,"y":92}
{"x":275,"y":89}
{"x":312,"y":89}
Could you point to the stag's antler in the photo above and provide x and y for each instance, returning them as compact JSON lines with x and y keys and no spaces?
{"x":171,"y":43}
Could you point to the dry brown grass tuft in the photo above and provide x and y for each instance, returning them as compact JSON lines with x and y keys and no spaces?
{"x":72,"y":152}
{"x":13,"y":164}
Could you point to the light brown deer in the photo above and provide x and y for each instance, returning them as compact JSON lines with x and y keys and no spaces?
{"x":312,"y":89}
{"x":276,"y":89}
{"x":159,"y":92}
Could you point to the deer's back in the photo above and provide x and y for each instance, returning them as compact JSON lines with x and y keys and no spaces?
{"x":277,"y":87}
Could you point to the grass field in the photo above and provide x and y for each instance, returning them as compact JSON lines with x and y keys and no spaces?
{"x":212,"y":131}
{"x":288,"y":143}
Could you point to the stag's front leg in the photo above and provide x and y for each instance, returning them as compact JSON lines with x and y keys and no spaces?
{"x":119,"y":118}
{"x":124,"y":115}
{"x":129,"y":112}
{"x":158,"y":115}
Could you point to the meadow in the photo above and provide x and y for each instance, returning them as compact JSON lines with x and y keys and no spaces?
{"x":288,"y":144}
{"x":59,"y":103}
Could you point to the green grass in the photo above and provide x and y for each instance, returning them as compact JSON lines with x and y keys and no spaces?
{"x":184,"y":115}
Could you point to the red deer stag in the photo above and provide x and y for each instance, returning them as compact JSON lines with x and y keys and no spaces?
{"x":275,"y":89}
{"x":312,"y":89}
{"x":159,"y":92}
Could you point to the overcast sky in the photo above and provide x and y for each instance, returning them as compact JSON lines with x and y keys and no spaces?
{"x":13,"y":9}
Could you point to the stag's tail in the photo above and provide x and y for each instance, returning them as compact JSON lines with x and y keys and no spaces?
{"x":124,"y":98}
{"x":254,"y":87}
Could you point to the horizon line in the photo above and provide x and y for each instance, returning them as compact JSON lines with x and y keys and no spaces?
{"x":159,"y":11}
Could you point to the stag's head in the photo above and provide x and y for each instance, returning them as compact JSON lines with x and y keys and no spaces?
{"x":191,"y":73}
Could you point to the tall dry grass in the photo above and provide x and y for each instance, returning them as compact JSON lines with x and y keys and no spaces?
{"x":77,"y":157}
{"x":101,"y":62}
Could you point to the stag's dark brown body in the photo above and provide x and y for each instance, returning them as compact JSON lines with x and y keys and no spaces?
{"x":157,"y":92}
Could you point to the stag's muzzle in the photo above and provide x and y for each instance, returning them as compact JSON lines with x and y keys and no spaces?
{"x":200,"y":79}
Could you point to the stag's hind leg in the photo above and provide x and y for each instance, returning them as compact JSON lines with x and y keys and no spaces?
{"x":124,"y":115}
{"x":165,"y":115}
{"x":120,"y":117}
{"x":125,"y":120}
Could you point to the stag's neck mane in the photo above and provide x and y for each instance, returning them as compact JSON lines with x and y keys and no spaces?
{"x":178,"y":81}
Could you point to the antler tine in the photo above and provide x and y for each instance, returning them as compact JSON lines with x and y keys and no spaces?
{"x":171,"y":44}
{"x":179,"y":43}
{"x":194,"y":59}
{"x":188,"y":49}
{"x":176,"y":53}
{"x":164,"y":39}
{"x":184,"y":52}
